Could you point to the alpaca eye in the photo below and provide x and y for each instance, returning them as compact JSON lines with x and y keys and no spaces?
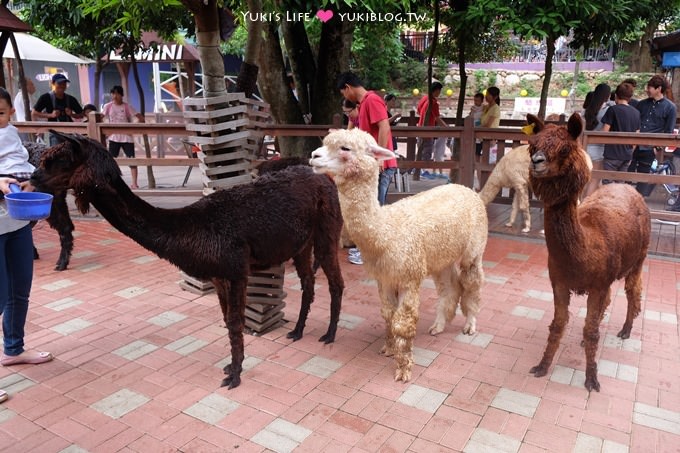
{"x":344,"y":148}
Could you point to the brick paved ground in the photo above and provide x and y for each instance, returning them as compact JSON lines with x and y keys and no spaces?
{"x":138,"y":366}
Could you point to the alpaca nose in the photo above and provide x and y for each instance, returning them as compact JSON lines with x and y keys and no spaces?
{"x":538,"y":158}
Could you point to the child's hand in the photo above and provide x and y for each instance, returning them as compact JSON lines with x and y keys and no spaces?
{"x":5,"y":182}
{"x":26,"y":186}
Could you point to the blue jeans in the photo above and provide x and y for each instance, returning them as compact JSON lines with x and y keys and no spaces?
{"x":16,"y":276}
{"x":384,"y":180}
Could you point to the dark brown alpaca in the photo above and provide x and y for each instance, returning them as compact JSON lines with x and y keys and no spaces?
{"x":590,"y":245}
{"x":59,"y":219}
{"x":283,"y":215}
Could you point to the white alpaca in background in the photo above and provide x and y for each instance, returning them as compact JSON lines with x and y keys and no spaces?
{"x":441,"y":232}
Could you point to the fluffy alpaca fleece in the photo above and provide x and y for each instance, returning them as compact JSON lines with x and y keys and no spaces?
{"x":512,"y":171}
{"x":589,"y":245}
{"x":441,"y":232}
{"x":283,"y":215}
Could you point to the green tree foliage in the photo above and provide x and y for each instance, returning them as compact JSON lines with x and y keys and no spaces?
{"x":374,"y":58}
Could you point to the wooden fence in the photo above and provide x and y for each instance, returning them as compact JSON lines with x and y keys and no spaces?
{"x":506,"y":137}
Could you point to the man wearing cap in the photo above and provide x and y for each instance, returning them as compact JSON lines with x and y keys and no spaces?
{"x":57,"y":105}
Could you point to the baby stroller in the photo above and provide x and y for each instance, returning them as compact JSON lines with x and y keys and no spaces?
{"x":672,"y":191}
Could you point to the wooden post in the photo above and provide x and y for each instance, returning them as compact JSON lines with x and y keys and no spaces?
{"x":467,"y":153}
{"x":227,"y":130}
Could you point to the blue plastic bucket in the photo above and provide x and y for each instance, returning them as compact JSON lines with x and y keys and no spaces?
{"x":28,"y":205}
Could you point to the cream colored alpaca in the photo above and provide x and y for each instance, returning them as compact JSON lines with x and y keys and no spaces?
{"x":441,"y":232}
{"x":511,"y":171}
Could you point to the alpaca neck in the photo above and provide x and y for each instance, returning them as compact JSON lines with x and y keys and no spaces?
{"x":564,"y":234}
{"x":361,"y":213}
{"x":151,"y":227}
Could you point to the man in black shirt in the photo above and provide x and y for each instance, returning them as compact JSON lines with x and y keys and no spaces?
{"x":57,"y":105}
{"x":620,"y":117}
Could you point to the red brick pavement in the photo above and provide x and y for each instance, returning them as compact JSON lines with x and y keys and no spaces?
{"x":138,"y":361}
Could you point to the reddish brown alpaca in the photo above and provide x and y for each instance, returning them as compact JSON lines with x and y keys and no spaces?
{"x":589,"y":245}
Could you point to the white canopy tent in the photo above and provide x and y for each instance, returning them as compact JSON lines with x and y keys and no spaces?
{"x":32,"y":48}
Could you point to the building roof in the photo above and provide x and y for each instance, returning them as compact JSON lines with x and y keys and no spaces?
{"x":10,"y":22}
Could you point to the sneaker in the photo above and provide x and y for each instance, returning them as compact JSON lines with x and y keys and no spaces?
{"x":355,"y":259}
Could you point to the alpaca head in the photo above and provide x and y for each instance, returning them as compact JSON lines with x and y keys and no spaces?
{"x":559,"y":167}
{"x":77,"y":163}
{"x":349,"y":154}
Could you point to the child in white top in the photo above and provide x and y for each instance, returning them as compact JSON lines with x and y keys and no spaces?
{"x":118,"y":111}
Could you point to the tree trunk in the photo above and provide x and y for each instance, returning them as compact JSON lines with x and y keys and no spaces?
{"x":334,"y":56}
{"x":463,"y":82}
{"x":550,"y":44}
{"x":636,"y":53}
{"x":302,"y":62}
{"x":274,"y":88}
{"x":208,"y":45}
{"x":147,"y":145}
{"x":246,"y":81}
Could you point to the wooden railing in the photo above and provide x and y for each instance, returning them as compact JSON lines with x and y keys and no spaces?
{"x":506,"y":137}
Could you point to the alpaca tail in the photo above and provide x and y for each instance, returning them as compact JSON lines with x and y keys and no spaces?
{"x":490,"y":189}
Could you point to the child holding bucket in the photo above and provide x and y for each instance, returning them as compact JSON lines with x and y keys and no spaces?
{"x":16,"y":247}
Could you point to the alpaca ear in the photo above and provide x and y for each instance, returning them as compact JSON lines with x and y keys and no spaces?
{"x":536,"y":121}
{"x":380,"y":153}
{"x":575,"y":125}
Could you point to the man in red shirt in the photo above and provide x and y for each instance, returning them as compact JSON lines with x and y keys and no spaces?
{"x":432,"y":118}
{"x":374,"y":120}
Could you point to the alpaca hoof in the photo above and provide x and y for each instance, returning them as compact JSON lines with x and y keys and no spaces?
{"x":509,"y":224}
{"x":60,"y":266}
{"x":294,"y":335}
{"x":436,"y":328}
{"x":539,"y":371}
{"x":592,"y":384}
{"x":402,"y":375}
{"x":231,"y":382}
{"x":328,"y":338}
{"x":526,"y":230}
{"x":470,"y":328}
{"x":624,"y":334}
{"x":387,"y":352}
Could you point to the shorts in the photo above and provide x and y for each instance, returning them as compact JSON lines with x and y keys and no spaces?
{"x":596,"y":152}
{"x":426,"y":148}
{"x":128,"y":149}
{"x":439,"y":149}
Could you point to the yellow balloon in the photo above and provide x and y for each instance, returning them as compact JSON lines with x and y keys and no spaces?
{"x":523,"y":93}
{"x":484,"y":92}
{"x":564,"y":93}
{"x":382,"y":89}
{"x":416,"y":91}
{"x":449,"y":92}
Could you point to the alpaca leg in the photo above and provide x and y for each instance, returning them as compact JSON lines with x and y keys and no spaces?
{"x":404,"y":324}
{"x":471,"y":280}
{"x":522,"y":198}
{"x":597,"y":303}
{"x":633,"y":287}
{"x":303,"y":266}
{"x":513,"y":211}
{"x":60,"y":221}
{"x":560,"y":319}
{"x":232,"y":297}
{"x":449,"y":290}
{"x":389,"y":301}
{"x":336,"y":285}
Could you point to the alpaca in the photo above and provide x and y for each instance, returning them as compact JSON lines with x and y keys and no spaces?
{"x":590,"y":245}
{"x":220,"y":237}
{"x":511,"y":171}
{"x":401,"y":243}
{"x":59,"y":219}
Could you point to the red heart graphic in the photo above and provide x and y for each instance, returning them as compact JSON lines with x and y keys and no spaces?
{"x":324,"y":15}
